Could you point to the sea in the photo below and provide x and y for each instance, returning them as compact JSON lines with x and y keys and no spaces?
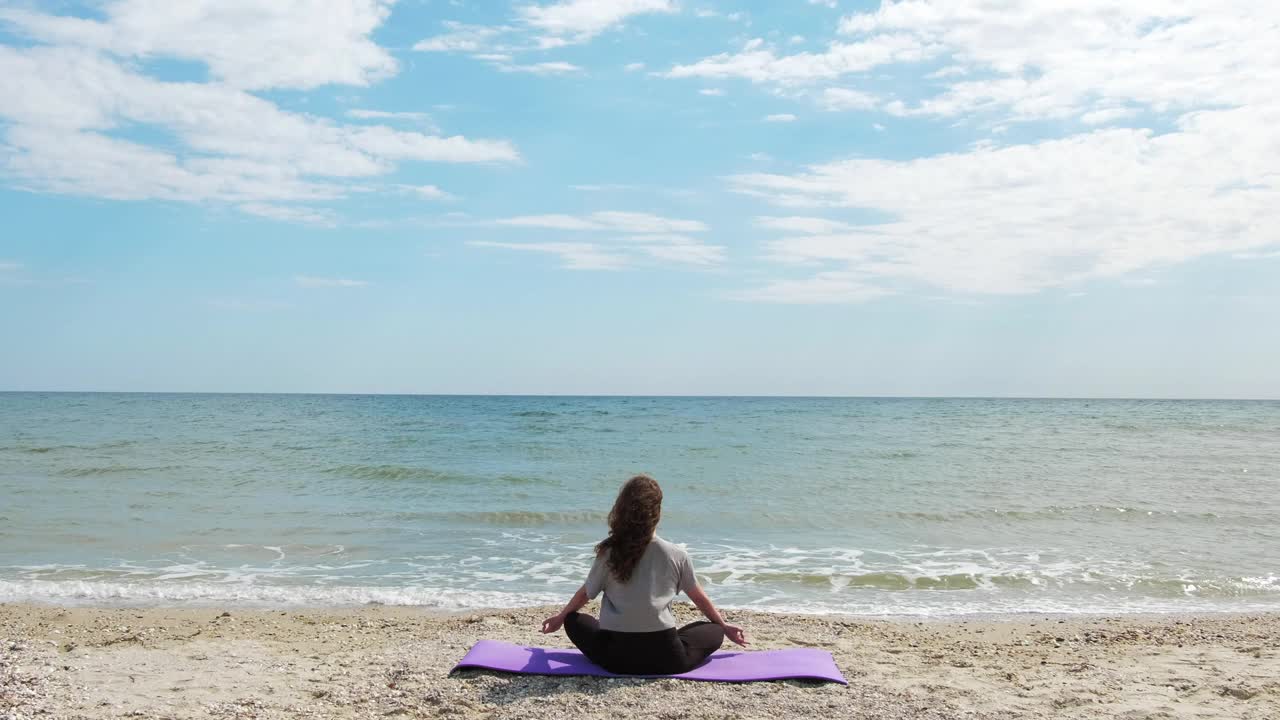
{"x":861,"y":506}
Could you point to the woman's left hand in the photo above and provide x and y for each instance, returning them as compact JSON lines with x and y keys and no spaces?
{"x":735,"y":633}
{"x":552,"y":623}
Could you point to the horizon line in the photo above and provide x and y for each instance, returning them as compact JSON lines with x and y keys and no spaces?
{"x":648,"y":396}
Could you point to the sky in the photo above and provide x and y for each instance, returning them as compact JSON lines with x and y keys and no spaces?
{"x":688,"y":197}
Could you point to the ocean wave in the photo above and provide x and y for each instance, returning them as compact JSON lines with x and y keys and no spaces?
{"x":1075,"y":512}
{"x":259,"y":595}
{"x":410,"y":472}
{"x":505,"y":518}
{"x":96,"y":470}
{"x":525,"y":518}
{"x":993,"y":571}
{"x":525,"y":480}
{"x":875,"y":580}
{"x":37,"y":449}
{"x":895,"y":454}
{"x":1028,"y":581}
{"x":391,"y":472}
{"x":535,"y":413}
{"x":45,"y":449}
{"x":957,"y":606}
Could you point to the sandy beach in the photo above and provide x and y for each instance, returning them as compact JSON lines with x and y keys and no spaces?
{"x":379,"y":662}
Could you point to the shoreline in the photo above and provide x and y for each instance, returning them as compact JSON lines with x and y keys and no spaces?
{"x":996,"y":616}
{"x":394,"y":661}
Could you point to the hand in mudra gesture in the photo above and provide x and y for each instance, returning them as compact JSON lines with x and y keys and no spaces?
{"x":735,"y":633}
{"x":552,"y":623}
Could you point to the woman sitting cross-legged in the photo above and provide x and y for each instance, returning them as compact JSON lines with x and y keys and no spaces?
{"x":640,"y":574}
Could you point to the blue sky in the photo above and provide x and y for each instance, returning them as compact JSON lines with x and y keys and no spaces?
{"x":927,"y":197}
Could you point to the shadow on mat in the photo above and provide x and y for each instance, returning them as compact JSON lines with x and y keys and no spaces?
{"x":544,"y":676}
{"x":546,"y":661}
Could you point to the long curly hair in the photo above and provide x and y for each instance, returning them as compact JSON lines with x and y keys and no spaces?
{"x":632,"y":521}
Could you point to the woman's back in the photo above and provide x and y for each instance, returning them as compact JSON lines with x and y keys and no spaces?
{"x":643,"y":602}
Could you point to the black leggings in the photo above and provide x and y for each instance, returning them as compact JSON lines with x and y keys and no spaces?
{"x":664,"y":652}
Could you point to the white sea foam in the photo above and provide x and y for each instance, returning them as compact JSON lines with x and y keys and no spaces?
{"x":918,"y":581}
{"x":875,"y":604}
{"x":1269,"y":582}
{"x":258,"y":595}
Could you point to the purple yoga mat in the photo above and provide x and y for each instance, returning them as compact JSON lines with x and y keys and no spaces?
{"x":805,"y":663}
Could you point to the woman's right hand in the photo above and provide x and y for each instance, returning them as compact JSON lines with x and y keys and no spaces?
{"x":734,"y":633}
{"x":553,"y":623}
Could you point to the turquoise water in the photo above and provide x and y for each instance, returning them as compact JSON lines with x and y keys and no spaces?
{"x":868,"y":506}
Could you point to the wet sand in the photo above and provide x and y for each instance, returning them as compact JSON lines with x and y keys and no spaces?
{"x":384,"y":662}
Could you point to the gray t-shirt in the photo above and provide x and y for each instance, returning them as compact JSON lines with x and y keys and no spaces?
{"x":643,"y":603}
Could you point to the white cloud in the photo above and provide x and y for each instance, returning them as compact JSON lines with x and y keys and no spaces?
{"x":464,"y":38}
{"x":761,"y":64}
{"x":495,"y":45}
{"x":541,"y":68}
{"x":427,"y":192}
{"x":245,"y":43}
{"x":1103,"y":117}
{"x":290,"y":213}
{"x":674,"y":192}
{"x":1032,"y":59}
{"x":731,"y":17}
{"x":1022,"y":218}
{"x":231,"y":146}
{"x":626,"y":238}
{"x":847,"y":99}
{"x":616,"y":253}
{"x":825,"y":3}
{"x":616,"y":221}
{"x":634,"y":222}
{"x":84,"y":163}
{"x":1016,"y":218}
{"x":575,"y":255}
{"x":1040,"y":58}
{"x":6,"y":266}
{"x":948,"y":71}
{"x":1257,"y":255}
{"x":602,"y":188}
{"x":310,"y":281}
{"x":581,"y":20}
{"x":548,"y":42}
{"x":822,"y":288}
{"x":1139,"y":281}
{"x":540,"y":28}
{"x":780,"y":118}
{"x":692,"y":253}
{"x":552,"y":222}
{"x":807,"y":225}
{"x":712,"y":92}
{"x":391,"y":144}
{"x":363,"y":114}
